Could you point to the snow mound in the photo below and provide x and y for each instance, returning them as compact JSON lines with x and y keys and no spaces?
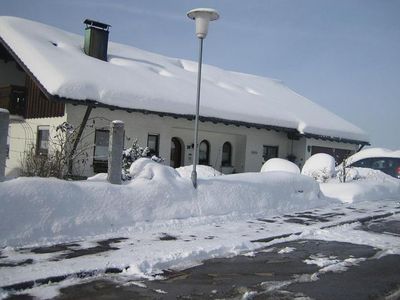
{"x":363,"y":184}
{"x":37,"y":210}
{"x":320,"y":166}
{"x":372,"y":152}
{"x":145,"y":168}
{"x":279,"y":164}
{"x":202,"y":171}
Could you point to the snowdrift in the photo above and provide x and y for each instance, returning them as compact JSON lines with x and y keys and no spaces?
{"x":363,"y":185}
{"x":43,"y":210}
{"x":202,"y":171}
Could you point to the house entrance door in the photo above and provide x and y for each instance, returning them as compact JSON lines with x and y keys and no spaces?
{"x":176,"y":153}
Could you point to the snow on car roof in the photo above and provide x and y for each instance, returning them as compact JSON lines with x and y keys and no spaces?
{"x":373,"y":152}
{"x":138,"y":79}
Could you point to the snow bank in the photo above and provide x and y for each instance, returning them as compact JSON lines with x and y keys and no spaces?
{"x":202,"y":171}
{"x":319,"y":166}
{"x":364,"y":185}
{"x":37,"y":209}
{"x":279,"y":164}
{"x":372,"y":152}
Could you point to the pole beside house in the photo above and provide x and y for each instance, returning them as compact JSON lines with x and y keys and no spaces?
{"x":115,"y":148}
{"x":4,"y":121}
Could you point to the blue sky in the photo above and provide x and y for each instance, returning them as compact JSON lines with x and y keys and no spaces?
{"x":341,"y":54}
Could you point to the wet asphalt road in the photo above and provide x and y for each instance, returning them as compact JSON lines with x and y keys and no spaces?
{"x":269,"y":274}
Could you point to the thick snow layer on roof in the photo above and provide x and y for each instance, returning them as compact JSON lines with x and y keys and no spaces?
{"x":133,"y":78}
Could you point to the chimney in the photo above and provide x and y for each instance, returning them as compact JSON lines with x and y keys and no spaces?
{"x":96,"y":39}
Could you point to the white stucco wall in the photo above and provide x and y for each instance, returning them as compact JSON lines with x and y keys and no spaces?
{"x":247,"y":143}
{"x":22,"y":136}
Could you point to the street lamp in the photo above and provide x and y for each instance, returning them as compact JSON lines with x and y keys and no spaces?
{"x":202,"y":16}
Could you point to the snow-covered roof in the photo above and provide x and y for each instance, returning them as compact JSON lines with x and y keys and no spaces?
{"x":136,"y":79}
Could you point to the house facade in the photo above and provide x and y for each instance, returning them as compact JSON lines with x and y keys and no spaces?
{"x":231,"y":139}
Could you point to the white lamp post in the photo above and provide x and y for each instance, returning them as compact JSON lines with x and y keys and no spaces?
{"x":202,"y":16}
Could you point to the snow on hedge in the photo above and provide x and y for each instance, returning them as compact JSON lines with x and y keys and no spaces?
{"x":363,"y":185}
{"x":202,"y":171}
{"x":37,"y":209}
{"x":134,"y":78}
{"x":319,"y":166}
{"x":279,"y":164}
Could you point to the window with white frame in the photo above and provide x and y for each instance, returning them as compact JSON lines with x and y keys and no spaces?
{"x":153,"y":142}
{"x":43,"y":135}
{"x":101,"y":140}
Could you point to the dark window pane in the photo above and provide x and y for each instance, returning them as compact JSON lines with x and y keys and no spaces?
{"x":226,"y":154}
{"x":43,"y":140}
{"x":153,"y":144}
{"x":270,"y":152}
{"x":102,"y":138}
{"x":204,"y":153}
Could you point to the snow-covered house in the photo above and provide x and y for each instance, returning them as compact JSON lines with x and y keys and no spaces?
{"x":49,"y":76}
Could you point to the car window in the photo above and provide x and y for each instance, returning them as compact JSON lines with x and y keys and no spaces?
{"x":378,"y":164}
{"x":363,"y":163}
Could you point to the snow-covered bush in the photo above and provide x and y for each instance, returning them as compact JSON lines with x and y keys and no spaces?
{"x":345,"y":174}
{"x":132,"y":154}
{"x":279,"y":164}
{"x":320,"y":166}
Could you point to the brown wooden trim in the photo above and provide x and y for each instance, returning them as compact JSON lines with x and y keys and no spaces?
{"x":38,"y":106}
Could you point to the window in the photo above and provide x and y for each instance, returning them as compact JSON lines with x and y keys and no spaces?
{"x":204,"y":153}
{"x":101,"y":140}
{"x":226,"y":154}
{"x":153,"y":141}
{"x":176,"y":153}
{"x":100,"y":157}
{"x":363,"y":163}
{"x":42,"y":147}
{"x":270,"y":152}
